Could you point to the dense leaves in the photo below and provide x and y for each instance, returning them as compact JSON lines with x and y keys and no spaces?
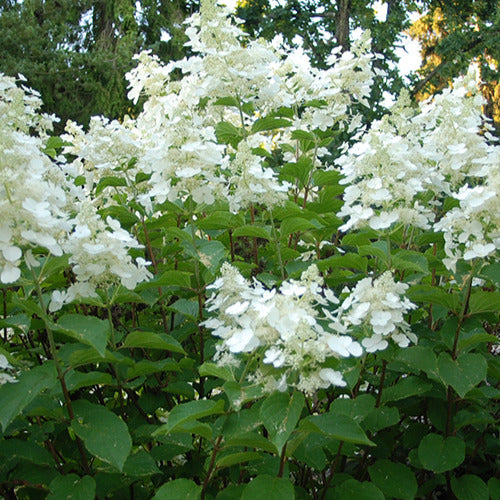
{"x":203,"y":302}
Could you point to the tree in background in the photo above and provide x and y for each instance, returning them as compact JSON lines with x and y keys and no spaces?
{"x":75,"y":53}
{"x":452,"y":35}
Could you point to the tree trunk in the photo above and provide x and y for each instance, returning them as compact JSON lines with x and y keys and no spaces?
{"x":342,"y":24}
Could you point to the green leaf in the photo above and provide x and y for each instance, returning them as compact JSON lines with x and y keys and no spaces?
{"x":109,"y":181}
{"x":179,"y":489}
{"x":268,"y":487}
{"x":395,"y":480}
{"x":25,"y":450}
{"x":439,"y":454}
{"x":252,"y":440}
{"x":418,"y":358}
{"x":16,"y":396}
{"x":104,"y":434}
{"x":253,"y":231}
{"x":151,"y":340}
{"x":211,"y":254}
{"x":298,"y":224}
{"x":494,"y":488}
{"x":352,"y":489}
{"x":481,"y":302}
{"x":86,"y":329}
{"x":270,"y":123}
{"x":408,"y":260}
{"x":227,"y":133}
{"x":72,"y":487}
{"x":340,"y":427}
{"x":470,"y":487}
{"x":213,"y":370}
{"x":76,"y":380}
{"x":381,"y":418}
{"x":174,"y":278}
{"x":357,"y":408}
{"x":302,"y":135}
{"x":405,"y":388}
{"x":464,"y":373}
{"x":193,"y":410}
{"x":237,"y":458}
{"x":280,"y":415}
{"x":492,"y":272}
{"x":140,"y":464}
{"x":432,"y":295}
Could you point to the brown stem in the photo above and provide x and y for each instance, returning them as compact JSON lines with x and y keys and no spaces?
{"x":282,"y":461}
{"x":210,"y":467}
{"x":332,"y":470}
{"x":381,"y":386}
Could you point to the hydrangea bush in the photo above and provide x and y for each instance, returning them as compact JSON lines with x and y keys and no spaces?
{"x":248,"y":288}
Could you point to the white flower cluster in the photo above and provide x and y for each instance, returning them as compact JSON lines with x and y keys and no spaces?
{"x":37,"y":201}
{"x":411,"y":156}
{"x":231,"y":80}
{"x":293,"y":343}
{"x":98,"y":251}
{"x":33,"y":200}
{"x":282,"y":327}
{"x":375,"y":310}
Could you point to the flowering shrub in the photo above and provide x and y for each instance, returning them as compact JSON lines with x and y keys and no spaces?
{"x":247,"y":288}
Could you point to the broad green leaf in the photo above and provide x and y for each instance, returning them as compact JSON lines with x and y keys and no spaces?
{"x":193,"y":410}
{"x":227,"y":133}
{"x":151,"y":340}
{"x":231,"y":492}
{"x":268,"y":487}
{"x":481,"y":302}
{"x":432,"y":295}
{"x":213,"y":370}
{"x":253,"y":231}
{"x":109,"y":181}
{"x":174,"y":278}
{"x":220,"y":220}
{"x":25,"y":450}
{"x":352,"y":489}
{"x":298,"y":224}
{"x":197,"y":428}
{"x":270,"y":123}
{"x":347,"y":261}
{"x":395,"y":480}
{"x":492,"y":272}
{"x":72,"y":487}
{"x":357,"y":408}
{"x":470,"y":487}
{"x":381,"y":418}
{"x":478,"y":338}
{"x":146,"y":367}
{"x":405,"y":388}
{"x":86,"y":329}
{"x":302,"y":135}
{"x":179,"y":489}
{"x":439,"y":454}
{"x":76,"y":380}
{"x":340,"y":427}
{"x":494,"y":488}
{"x":16,"y":396}
{"x":104,"y":434}
{"x":240,"y":394}
{"x":140,"y":464}
{"x":252,"y":440}
{"x":280,"y":415}
{"x":463,"y":373}
{"x":211,"y":253}
{"x":237,"y":458}
{"x":418,"y":358}
{"x":408,"y":260}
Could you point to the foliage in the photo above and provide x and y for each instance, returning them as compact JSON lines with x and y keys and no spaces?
{"x":75,"y":53}
{"x":452,"y":35}
{"x":204,"y":302}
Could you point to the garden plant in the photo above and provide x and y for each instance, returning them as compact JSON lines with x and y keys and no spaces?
{"x":248,"y":290}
